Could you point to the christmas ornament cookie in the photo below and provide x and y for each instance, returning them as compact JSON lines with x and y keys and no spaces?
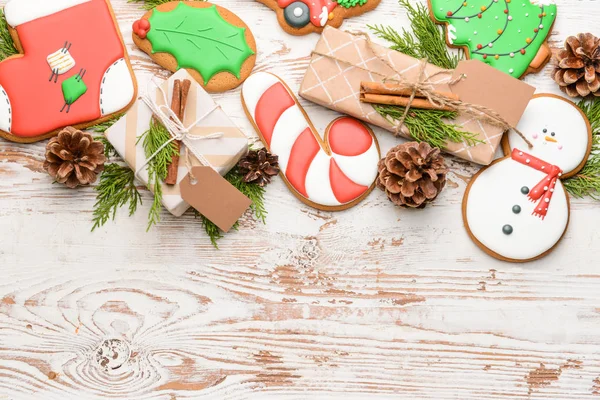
{"x":510,"y":35}
{"x":72,"y":69}
{"x":333,"y":173}
{"x":517,"y":208}
{"x":301,"y":17}
{"x":215,"y":46}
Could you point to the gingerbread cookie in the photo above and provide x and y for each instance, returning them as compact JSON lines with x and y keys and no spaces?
{"x":301,"y":17}
{"x":510,"y":35}
{"x":517,"y":208}
{"x":72,"y":69}
{"x":212,"y":43}
{"x":330,"y":174}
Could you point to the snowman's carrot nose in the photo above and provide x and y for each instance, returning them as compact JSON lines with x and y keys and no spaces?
{"x":551,"y":139}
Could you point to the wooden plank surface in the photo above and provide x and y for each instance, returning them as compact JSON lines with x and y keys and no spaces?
{"x":373,"y":302}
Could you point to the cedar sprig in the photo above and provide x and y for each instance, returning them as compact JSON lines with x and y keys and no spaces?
{"x":150,"y":4}
{"x":428,"y":125}
{"x":109,"y":149}
{"x":425,"y":40}
{"x":7,"y":45}
{"x":587,"y":181}
{"x":158,"y":166}
{"x":116,"y":189}
{"x":253,"y":191}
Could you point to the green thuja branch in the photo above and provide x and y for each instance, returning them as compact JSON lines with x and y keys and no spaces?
{"x":587,"y":181}
{"x":109,"y":150}
{"x":116,"y":189}
{"x":424,"y":40}
{"x":150,"y":4}
{"x":7,"y":46}
{"x":254,"y":192}
{"x":158,"y":166}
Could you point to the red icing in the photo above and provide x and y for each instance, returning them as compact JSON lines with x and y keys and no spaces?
{"x":35,"y":102}
{"x":270,"y":107}
{"x":315,"y":7}
{"x":302,"y":155}
{"x":545,"y":188}
{"x":349,"y":137}
{"x":343,"y":188}
{"x":141,"y":28}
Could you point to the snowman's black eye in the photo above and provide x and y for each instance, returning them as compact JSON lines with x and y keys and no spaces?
{"x":553,"y":134}
{"x":545,"y":130}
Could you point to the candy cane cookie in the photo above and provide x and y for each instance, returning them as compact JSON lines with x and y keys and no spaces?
{"x":333,"y":173}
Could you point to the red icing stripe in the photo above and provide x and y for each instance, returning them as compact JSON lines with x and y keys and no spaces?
{"x":269,"y":108}
{"x":302,"y":155}
{"x":349,"y":137}
{"x":343,"y":188}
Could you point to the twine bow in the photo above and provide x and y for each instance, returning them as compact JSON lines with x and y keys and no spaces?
{"x":177,"y":129}
{"x":426,"y":87}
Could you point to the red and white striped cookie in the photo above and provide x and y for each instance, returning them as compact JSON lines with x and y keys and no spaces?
{"x":330,"y":174}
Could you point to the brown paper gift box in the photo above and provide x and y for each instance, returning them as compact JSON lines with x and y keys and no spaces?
{"x":342,"y":60}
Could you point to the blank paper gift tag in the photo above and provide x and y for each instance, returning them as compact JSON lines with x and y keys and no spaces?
{"x":494,"y":89}
{"x":214,"y":197}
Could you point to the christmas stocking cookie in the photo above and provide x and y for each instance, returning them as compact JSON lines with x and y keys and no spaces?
{"x":72,"y":71}
{"x":331,"y":174}
{"x":301,"y":17}
{"x":517,"y":209}
{"x":509,"y":35}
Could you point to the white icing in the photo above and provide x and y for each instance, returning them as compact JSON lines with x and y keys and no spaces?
{"x":324,"y":16}
{"x":361,"y":169}
{"x":318,"y":185}
{"x":254,"y":87}
{"x":489,"y":207}
{"x":298,"y":12}
{"x":117,"y":88}
{"x":5,"y":111}
{"x":287,"y":129}
{"x":19,"y":12}
{"x":61,"y":61}
{"x":452,"y":33}
{"x":562,"y":118}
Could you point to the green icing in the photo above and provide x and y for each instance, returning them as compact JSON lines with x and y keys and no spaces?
{"x":351,"y":3}
{"x":200,"y":39}
{"x":73,"y":88}
{"x":506,"y":24}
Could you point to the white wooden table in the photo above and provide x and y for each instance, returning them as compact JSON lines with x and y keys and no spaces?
{"x":372,"y":302}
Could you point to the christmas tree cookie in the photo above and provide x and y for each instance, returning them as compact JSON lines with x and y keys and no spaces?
{"x":510,"y":35}
{"x":213,"y":44}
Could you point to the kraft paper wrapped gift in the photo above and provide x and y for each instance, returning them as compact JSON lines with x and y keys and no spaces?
{"x":342,"y":60}
{"x":223,"y":153}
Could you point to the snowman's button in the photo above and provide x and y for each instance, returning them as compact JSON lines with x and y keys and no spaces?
{"x":507,"y":229}
{"x":525,"y":190}
{"x":516,"y":209}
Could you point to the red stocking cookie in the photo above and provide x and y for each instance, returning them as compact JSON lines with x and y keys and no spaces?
{"x":333,"y":174}
{"x":73,"y":69}
{"x":301,"y":17}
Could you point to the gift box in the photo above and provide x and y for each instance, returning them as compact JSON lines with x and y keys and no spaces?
{"x":342,"y":60}
{"x":222,"y":152}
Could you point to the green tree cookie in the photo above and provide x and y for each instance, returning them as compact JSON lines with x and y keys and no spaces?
{"x":507,"y":34}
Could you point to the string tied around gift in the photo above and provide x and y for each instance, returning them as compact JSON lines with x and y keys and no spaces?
{"x":425,"y":86}
{"x":178,"y":130}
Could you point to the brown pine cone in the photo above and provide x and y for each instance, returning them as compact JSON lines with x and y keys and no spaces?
{"x":578,"y":69}
{"x":412,"y":174}
{"x":259,"y":166}
{"x":74,"y":158}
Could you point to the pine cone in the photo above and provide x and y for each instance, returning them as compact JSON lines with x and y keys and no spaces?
{"x":259,"y":166}
{"x":74,"y":158}
{"x":412,"y":174}
{"x":578,"y":69}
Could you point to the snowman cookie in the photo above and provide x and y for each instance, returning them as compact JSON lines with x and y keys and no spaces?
{"x":517,"y":208}
{"x":301,"y":17}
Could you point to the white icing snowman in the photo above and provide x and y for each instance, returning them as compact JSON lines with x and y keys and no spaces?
{"x":498,"y":208}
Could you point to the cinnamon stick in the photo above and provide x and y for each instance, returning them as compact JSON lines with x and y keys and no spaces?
{"x":390,"y":88}
{"x":176,"y":106}
{"x":401,"y":101}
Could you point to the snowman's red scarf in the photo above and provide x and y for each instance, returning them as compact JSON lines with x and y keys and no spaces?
{"x":545,"y":188}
